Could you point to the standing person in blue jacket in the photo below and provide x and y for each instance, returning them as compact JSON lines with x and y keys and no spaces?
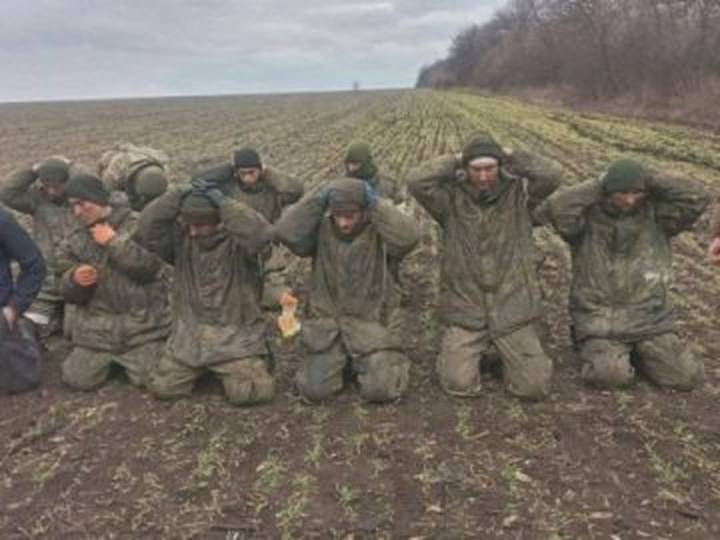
{"x":16,"y":295}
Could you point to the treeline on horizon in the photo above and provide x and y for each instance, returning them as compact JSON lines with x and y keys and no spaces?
{"x":655,"y":50}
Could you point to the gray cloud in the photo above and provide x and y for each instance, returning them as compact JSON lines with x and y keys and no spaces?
{"x":55,"y":49}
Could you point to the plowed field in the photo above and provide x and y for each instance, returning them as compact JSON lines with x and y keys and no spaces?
{"x":640,"y":463}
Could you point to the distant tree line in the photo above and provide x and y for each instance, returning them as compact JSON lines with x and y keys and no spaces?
{"x":596,"y":48}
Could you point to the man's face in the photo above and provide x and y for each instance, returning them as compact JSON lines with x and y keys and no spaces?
{"x":202,"y":230}
{"x":248,"y":176}
{"x":353,"y":166}
{"x":55,"y":191}
{"x":483,"y":173}
{"x":348,"y":222}
{"x":88,"y":212}
{"x":627,"y":201}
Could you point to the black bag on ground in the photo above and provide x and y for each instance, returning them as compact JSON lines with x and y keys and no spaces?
{"x":20,"y":357}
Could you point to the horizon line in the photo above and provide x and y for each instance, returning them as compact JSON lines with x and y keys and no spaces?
{"x":41,"y":101}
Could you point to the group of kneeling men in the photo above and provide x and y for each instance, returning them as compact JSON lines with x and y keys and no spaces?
{"x":168,"y":282}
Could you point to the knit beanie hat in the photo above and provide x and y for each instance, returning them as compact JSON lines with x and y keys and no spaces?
{"x":246,"y":158}
{"x":481,"y":145}
{"x":347,"y":195}
{"x":53,"y":170}
{"x":87,"y":187}
{"x":625,"y":175}
{"x":197,"y":208}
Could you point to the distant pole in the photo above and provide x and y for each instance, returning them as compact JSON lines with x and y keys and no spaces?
{"x":356,"y":86}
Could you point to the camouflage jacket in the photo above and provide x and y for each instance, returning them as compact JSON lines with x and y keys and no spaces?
{"x":117,"y":166}
{"x":622,"y":264}
{"x":52,"y":223}
{"x":350,"y":278}
{"x":275,"y":189}
{"x":217,"y":284}
{"x":128,"y":306}
{"x":488,"y":276}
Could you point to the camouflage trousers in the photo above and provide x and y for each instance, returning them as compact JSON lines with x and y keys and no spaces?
{"x":275,"y":277}
{"x":662,"y":359}
{"x":381,"y":376}
{"x":86,"y":369}
{"x":245,"y":381}
{"x":47,"y":312}
{"x":527,"y":370}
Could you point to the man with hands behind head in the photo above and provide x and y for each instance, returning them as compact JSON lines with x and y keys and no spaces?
{"x":490,"y":296}
{"x":353,"y":237}
{"x":212,"y":241}
{"x":39,"y":191}
{"x":619,"y":229}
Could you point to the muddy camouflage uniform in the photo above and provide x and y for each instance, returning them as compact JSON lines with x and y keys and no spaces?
{"x":490,"y":295}
{"x":274,"y":191}
{"x":385,"y":186}
{"x":123,"y":318}
{"x":119,"y":167}
{"x":52,"y":223}
{"x":622,"y":265}
{"x":347,"y":332}
{"x":217,"y":319}
{"x":389,"y":188}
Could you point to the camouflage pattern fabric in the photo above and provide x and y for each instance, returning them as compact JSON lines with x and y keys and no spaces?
{"x":216,"y":292}
{"x":348,"y":292}
{"x":487,"y":270}
{"x":274,"y":191}
{"x":622,"y":263}
{"x":245,"y":382}
{"x":128,"y":306}
{"x":52,"y":224}
{"x":490,"y":293}
{"x":527,"y":370}
{"x":118,"y":165}
{"x":87,"y":369}
{"x":662,"y":359}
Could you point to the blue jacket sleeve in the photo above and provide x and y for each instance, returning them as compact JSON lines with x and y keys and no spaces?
{"x":19,"y":247}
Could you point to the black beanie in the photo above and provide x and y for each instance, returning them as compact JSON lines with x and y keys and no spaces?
{"x":197,"y":208}
{"x":246,"y":158}
{"x":87,"y":187}
{"x":481,"y":145}
{"x":53,"y":170}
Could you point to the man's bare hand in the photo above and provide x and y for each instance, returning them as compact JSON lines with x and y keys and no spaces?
{"x":85,"y":275}
{"x":102,"y":233}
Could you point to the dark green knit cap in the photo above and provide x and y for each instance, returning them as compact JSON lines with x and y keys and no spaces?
{"x":87,"y":187}
{"x":359,"y":151}
{"x":196,"y":208}
{"x":625,"y":175}
{"x":53,"y":170}
{"x":481,"y":145}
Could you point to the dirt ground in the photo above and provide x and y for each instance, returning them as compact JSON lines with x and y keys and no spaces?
{"x":115,"y":463}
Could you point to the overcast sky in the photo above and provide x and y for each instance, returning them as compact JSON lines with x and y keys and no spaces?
{"x":58,"y":49}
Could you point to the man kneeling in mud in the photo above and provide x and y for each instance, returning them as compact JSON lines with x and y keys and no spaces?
{"x":212,"y":241}
{"x":619,"y":229}
{"x":117,"y":286}
{"x":353,"y":237}
{"x":490,"y":299}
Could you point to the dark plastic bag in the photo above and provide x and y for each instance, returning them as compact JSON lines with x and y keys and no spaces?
{"x":20,"y":357}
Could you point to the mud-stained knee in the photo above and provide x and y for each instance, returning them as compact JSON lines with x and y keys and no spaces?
{"x":608,"y":373}
{"x":249,"y":392}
